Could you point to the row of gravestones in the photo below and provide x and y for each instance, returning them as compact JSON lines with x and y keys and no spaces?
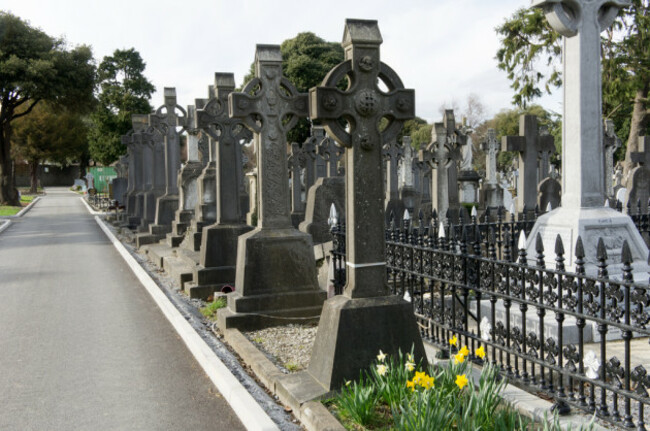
{"x":272,"y":267}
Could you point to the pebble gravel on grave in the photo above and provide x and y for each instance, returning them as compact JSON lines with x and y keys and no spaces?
{"x":289,"y":347}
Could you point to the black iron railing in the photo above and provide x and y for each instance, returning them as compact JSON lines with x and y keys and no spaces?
{"x":547,"y":328}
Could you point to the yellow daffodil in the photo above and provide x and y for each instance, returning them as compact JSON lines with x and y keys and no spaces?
{"x":461,"y":380}
{"x":480,"y":352}
{"x":381,"y":356}
{"x":410,"y":358}
{"x":347,"y":382}
{"x":410,"y":384}
{"x":464,"y":351}
{"x":459,"y":358}
{"x":382,"y":369}
{"x":453,"y":341}
{"x":419,"y":377}
{"x":427,"y":383}
{"x":410,"y":366}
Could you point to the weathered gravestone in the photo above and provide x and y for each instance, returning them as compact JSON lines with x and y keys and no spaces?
{"x":407,"y":192}
{"x":354,"y":326}
{"x":187,"y":184}
{"x":297,"y":161}
{"x":315,"y":163}
{"x":331,"y":154}
{"x":153,"y":156}
{"x":393,"y":153}
{"x":549,"y":191}
{"x":528,"y":145}
{"x":638,"y":183}
{"x":134,"y":179}
{"x":276,"y":269}
{"x":545,"y":150}
{"x":165,"y":120}
{"x":583,"y":160}
{"x":491,"y":190}
{"x":120,"y":183}
{"x":443,"y":155}
{"x":219,"y":241}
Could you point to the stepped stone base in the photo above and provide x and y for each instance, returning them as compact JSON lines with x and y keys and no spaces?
{"x":166,"y":207}
{"x":352,"y":331}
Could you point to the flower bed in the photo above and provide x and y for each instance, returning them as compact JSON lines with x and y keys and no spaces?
{"x":395,"y":393}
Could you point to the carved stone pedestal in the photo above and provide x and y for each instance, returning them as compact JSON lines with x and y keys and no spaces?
{"x":218,"y":260}
{"x":590,"y":224}
{"x":276,"y":278}
{"x":368,"y":324}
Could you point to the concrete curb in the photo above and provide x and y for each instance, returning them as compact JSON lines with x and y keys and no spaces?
{"x":23,"y":211}
{"x":249,"y":412}
{"x":312,"y":414}
{"x":4,"y":224}
{"x":90,"y":210}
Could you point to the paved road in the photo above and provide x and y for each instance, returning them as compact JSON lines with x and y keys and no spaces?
{"x":82,"y":345}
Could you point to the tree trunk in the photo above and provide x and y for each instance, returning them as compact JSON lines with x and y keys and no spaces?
{"x":8,"y":192}
{"x":637,"y":125}
{"x":33,"y":173}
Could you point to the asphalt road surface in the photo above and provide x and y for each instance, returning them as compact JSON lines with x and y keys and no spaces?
{"x":82,"y":345}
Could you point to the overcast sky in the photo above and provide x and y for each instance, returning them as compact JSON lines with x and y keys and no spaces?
{"x":444,"y":49}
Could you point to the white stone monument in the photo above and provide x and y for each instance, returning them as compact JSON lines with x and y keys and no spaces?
{"x":583,"y":192}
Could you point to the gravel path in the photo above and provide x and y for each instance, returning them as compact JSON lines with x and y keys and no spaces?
{"x":289,"y":347}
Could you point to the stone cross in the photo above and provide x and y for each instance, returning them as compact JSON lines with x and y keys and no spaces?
{"x":546,"y":149}
{"x":227,"y":132}
{"x":365,"y":104}
{"x":527,"y":145}
{"x":331,"y":153}
{"x":393,"y":153}
{"x":273,"y":108}
{"x":297,"y":162}
{"x":192,"y":135}
{"x":581,"y":22}
{"x":406,"y":167}
{"x":312,"y":157}
{"x":611,"y":143}
{"x":443,"y":154}
{"x":491,"y":149}
{"x":165,"y":120}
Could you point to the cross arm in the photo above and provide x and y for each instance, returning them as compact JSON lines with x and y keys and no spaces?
{"x":547,"y":144}
{"x":513,"y":143}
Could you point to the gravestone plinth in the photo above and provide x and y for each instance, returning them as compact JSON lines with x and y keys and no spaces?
{"x":218,"y":250}
{"x":276,"y":269}
{"x":469,"y":181}
{"x":583,"y":153}
{"x":366,"y":317}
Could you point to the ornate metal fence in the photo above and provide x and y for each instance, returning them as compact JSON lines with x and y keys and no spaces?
{"x":548,"y":329}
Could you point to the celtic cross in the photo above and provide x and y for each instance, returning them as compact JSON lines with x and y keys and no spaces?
{"x":269,"y":105}
{"x":362,"y":105}
{"x":165,"y":120}
{"x":213,"y":118}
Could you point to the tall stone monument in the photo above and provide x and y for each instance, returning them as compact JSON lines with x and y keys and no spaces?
{"x":354,"y":326}
{"x":407,"y":192}
{"x":218,"y":252}
{"x":276,"y":268}
{"x":583,"y":189}
{"x":393,"y":153}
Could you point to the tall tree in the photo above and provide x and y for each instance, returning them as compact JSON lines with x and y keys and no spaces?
{"x":306,"y":59}
{"x":531,"y":50}
{"x":49,"y":134}
{"x":35,"y":67}
{"x":123,"y":91}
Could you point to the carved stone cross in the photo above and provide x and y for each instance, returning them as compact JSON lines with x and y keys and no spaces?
{"x":393,"y":153}
{"x":527,"y":145}
{"x":331,"y":153}
{"x":165,"y":120}
{"x":366,"y":318}
{"x":213,"y":118}
{"x":491,"y":148}
{"x":270,"y":105}
{"x":581,"y":22}
{"x":364,"y":104}
{"x":546,"y":149}
{"x":643,"y":155}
